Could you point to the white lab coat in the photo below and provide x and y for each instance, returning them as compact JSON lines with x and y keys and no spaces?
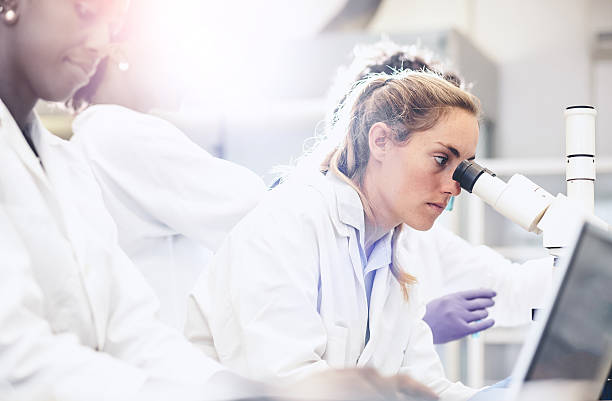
{"x":285,"y":295}
{"x":171,"y":200}
{"x":449,"y":264}
{"x":82,"y":326}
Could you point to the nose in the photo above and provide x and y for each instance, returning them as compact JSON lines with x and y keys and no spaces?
{"x":452,"y":187}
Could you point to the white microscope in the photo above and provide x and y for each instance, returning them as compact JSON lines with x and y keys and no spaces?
{"x":535,"y":209}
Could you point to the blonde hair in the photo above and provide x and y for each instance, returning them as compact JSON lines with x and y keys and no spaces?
{"x":406,"y":102}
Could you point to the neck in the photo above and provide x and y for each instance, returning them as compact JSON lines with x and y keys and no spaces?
{"x":373,"y":233}
{"x":15,"y":90}
{"x":16,"y":96}
{"x":381,"y":222}
{"x":20,"y":106}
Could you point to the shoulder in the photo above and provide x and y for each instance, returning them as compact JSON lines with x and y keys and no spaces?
{"x":311,"y":196}
{"x":52,"y":148}
{"x":298,"y":204}
{"x":108,"y":123}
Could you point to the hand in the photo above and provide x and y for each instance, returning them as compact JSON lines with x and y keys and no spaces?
{"x":456,"y":315}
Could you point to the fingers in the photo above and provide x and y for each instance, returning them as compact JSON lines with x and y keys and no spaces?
{"x":479,"y":303}
{"x":476,"y":315}
{"x":480,"y":326}
{"x":478,"y":293}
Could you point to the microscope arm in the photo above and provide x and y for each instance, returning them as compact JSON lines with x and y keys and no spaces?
{"x":526,"y":204}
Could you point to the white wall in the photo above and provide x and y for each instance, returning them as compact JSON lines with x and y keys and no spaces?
{"x":543,"y":49}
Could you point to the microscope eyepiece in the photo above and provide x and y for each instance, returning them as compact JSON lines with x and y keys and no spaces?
{"x":467,"y":172}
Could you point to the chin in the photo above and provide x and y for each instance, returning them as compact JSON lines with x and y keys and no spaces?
{"x":422,"y":225}
{"x":63,"y":87}
{"x":58,"y":94}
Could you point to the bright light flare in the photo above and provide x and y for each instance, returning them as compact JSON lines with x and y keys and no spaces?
{"x":223,"y":47}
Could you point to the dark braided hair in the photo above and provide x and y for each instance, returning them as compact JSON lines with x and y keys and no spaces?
{"x":387,"y":57}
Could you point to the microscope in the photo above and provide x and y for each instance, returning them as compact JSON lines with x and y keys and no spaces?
{"x":532,"y":207}
{"x":537,"y":210}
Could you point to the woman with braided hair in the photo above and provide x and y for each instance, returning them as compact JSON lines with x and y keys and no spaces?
{"x":78,"y":320}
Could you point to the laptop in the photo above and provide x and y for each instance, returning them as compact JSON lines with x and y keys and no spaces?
{"x":570,"y":353}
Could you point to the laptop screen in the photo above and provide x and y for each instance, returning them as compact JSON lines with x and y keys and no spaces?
{"x":577,"y":339}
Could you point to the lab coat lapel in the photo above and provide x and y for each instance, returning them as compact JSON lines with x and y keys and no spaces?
{"x":65,"y":174}
{"x":351,"y":215}
{"x":58,"y":172}
{"x":354,"y":252}
{"x":390,"y":315}
{"x":46,"y":200}
{"x":381,"y":309}
{"x":12,"y":134}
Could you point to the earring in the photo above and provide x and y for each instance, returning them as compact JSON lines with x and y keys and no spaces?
{"x":10,"y":17}
{"x":120,"y":58}
{"x":117,"y":55}
{"x":123,"y":65}
{"x":7,"y":9}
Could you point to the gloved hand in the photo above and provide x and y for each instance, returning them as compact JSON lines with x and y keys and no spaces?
{"x":456,"y":315}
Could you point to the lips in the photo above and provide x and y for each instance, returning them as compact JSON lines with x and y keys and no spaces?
{"x":437,"y":207}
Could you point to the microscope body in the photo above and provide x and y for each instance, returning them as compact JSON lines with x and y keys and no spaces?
{"x":532,"y":207}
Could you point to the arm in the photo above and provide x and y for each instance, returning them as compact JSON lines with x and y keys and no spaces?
{"x":173,"y":367}
{"x":422,"y":363}
{"x":36,"y":363}
{"x":135,"y":336}
{"x":259,"y":299}
{"x":150,"y":162}
{"x":519,"y":287}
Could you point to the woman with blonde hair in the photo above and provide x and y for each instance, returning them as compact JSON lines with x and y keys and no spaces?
{"x":309,"y":279}
{"x":459,"y":280}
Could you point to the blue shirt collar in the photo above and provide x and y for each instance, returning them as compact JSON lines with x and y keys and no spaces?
{"x":381,"y":255}
{"x":350,"y":212}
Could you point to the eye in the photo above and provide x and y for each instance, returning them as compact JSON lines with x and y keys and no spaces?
{"x":441,"y":160}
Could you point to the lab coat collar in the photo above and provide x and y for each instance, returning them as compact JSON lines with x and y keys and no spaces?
{"x":350,"y":212}
{"x":10,"y":131}
{"x":58,"y":164}
{"x":381,"y":319}
{"x":94,"y":111}
{"x":381,"y":255}
{"x":350,"y":208}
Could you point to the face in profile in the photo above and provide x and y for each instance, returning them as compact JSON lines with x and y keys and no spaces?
{"x":415,"y":178}
{"x":57,"y":44}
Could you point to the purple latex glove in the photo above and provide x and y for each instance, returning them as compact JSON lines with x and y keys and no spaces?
{"x":456,"y":315}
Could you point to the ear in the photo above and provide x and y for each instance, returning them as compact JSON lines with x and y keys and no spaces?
{"x":379,"y":140}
